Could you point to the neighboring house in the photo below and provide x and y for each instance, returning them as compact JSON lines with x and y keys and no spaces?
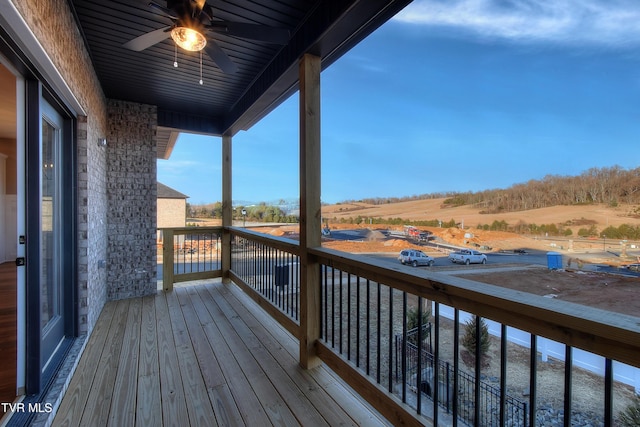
{"x":172,"y":207}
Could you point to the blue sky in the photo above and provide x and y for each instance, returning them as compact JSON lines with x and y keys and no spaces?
{"x":463,"y":95}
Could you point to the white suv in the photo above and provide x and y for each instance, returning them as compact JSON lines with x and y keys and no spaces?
{"x":415,"y":258}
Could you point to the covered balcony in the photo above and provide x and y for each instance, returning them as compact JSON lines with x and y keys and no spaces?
{"x":276,"y":331}
{"x":263,"y":343}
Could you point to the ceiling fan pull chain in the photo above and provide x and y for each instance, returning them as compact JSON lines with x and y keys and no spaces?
{"x":200,"y":67}
{"x":175,"y":56}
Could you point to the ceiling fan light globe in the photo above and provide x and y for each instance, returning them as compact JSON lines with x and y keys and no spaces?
{"x":188,"y":39}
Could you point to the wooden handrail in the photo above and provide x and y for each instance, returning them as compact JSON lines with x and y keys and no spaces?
{"x":282,"y":243}
{"x":612,"y":335}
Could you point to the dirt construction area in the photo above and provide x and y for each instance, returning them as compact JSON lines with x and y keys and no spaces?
{"x":607,"y":291}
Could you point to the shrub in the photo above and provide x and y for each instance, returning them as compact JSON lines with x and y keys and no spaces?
{"x":469,"y":340}
{"x":412,"y":317}
{"x":412,"y":323}
{"x":630,"y":417}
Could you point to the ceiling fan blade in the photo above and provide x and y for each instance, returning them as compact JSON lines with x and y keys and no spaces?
{"x":251,"y":31}
{"x":163,"y":10}
{"x":147,"y":40}
{"x":220,"y":58}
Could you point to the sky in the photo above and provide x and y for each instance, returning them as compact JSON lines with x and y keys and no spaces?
{"x":449,"y":96}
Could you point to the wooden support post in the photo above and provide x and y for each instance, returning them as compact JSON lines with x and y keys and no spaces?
{"x":167,"y":259}
{"x":310,"y":214}
{"x":227,"y":208}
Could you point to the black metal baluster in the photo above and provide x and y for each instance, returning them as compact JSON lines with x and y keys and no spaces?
{"x":456,"y":365}
{"x":379,"y":335}
{"x":533,"y":374}
{"x":368,"y":356}
{"x":197,"y":253}
{"x":358,"y":321}
{"x":333,"y":307}
{"x":503,"y":373}
{"x":403,"y":354}
{"x":390,"y":363}
{"x":296,"y":295}
{"x":322,"y":292}
{"x":478,"y":364}
{"x":341,"y":310}
{"x":608,"y":393}
{"x":435,"y":389}
{"x":349,"y":316}
{"x":568,"y":384}
{"x":325,"y":308}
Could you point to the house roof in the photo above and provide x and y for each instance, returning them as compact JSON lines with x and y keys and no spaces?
{"x":165,"y":192}
{"x":226,"y":102}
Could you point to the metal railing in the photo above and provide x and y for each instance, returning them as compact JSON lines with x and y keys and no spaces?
{"x":419,"y":375}
{"x":268,"y":268}
{"x":365,"y":305}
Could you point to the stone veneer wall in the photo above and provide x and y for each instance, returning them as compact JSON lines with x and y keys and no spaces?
{"x":131,"y":194}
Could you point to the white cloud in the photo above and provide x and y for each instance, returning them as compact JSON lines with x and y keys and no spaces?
{"x":596,"y":22}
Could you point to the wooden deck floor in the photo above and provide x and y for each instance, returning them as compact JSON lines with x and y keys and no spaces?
{"x":202,"y":355}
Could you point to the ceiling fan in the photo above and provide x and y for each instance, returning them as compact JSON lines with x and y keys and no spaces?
{"x":192,"y":20}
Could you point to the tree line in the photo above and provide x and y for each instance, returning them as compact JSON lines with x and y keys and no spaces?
{"x":610,"y":185}
{"x":261,"y":212}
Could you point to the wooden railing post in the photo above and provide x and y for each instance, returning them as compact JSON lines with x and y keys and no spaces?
{"x":167,"y":259}
{"x":227,"y":208}
{"x":310,"y":214}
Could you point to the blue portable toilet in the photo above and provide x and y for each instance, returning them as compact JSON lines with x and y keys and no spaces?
{"x":554,"y":260}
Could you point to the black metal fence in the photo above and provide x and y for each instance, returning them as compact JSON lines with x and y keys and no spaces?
{"x":515,"y":411}
{"x":197,"y":251}
{"x":272,"y":272}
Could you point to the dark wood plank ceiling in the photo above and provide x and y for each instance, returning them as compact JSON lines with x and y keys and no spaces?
{"x":225,"y":103}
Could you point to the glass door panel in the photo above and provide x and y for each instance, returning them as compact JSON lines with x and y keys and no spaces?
{"x":51,"y":252}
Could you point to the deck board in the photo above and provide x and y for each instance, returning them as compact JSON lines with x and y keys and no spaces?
{"x":201,"y":355}
{"x":300,"y":405}
{"x":148,"y":408}
{"x":174,"y":406}
{"x":245,"y":398}
{"x":75,"y":400}
{"x":198,"y":405}
{"x":123,"y":402}
{"x":271,"y":401}
{"x":326,"y":403}
{"x":96,"y":411}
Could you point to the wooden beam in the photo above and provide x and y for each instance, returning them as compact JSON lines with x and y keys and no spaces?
{"x":227,"y":208}
{"x":310,"y":215}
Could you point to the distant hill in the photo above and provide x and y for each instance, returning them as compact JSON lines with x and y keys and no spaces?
{"x":611,"y":186}
{"x":600,"y":216}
